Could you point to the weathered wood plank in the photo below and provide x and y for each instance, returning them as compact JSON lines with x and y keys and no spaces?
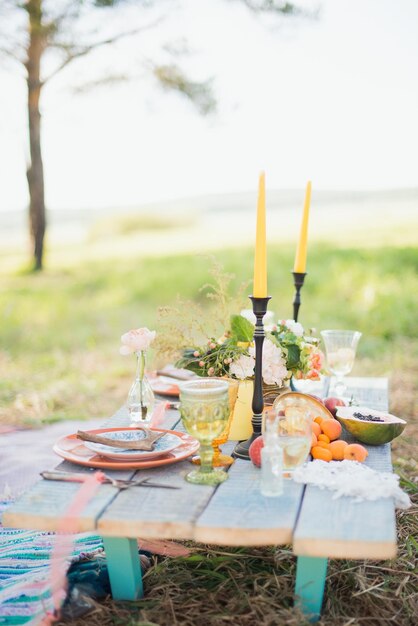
{"x":42,"y":506}
{"x":342,"y":528}
{"x":239,"y":515}
{"x":46,"y":502}
{"x":158,"y":513}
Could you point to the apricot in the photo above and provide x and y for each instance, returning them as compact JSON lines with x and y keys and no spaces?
{"x":321,"y":453}
{"x":314,"y":440}
{"x":355,"y":452}
{"x":318,"y":419}
{"x":323,"y":438}
{"x":316,"y":429}
{"x":331,"y":428}
{"x":337,"y":448}
{"x":322,"y":444}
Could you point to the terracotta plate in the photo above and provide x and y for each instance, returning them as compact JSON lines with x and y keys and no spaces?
{"x":72,"y":449}
{"x":165,"y":387}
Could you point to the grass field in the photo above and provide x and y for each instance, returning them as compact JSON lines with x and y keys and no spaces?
{"x":59,"y":360}
{"x":60,"y":330}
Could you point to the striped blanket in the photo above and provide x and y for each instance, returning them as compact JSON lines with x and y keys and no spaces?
{"x":25,"y":596}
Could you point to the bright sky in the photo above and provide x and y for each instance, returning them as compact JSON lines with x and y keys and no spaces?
{"x":333,"y":100}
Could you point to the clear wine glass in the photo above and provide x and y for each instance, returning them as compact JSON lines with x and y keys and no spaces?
{"x":204,"y":410}
{"x":340,"y":348}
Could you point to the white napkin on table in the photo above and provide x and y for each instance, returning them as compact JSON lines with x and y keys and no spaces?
{"x":350,"y":478}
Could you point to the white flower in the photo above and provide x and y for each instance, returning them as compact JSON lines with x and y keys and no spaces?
{"x":243,"y":367}
{"x":274,"y":364}
{"x":136,"y":340}
{"x":295,"y":327}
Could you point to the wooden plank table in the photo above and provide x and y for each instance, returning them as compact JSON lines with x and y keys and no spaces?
{"x":233,"y":513}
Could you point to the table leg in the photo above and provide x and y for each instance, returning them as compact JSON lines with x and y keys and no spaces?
{"x":310,"y":584}
{"x":124,"y":568}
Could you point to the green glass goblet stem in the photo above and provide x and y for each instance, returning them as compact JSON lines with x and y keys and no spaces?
{"x":204,"y":409}
{"x":206,"y":458}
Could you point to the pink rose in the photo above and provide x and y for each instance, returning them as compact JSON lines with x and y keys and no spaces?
{"x":136,"y":340}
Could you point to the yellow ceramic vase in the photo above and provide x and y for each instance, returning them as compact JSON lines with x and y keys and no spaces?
{"x":241,"y":427}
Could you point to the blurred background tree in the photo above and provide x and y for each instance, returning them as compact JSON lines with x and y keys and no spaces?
{"x":43,"y":37}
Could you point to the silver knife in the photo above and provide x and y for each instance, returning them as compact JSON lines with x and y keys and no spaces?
{"x":78,"y":477}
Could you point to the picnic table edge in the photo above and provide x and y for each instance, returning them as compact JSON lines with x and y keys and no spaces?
{"x":345,"y":549}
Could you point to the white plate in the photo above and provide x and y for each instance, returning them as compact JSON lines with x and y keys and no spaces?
{"x":161,"y":447}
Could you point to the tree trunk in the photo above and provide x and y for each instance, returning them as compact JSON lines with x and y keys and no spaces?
{"x":35,"y":172}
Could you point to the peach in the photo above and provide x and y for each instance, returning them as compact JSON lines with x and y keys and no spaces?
{"x":337,"y":448}
{"x":332,"y":404}
{"x":314,"y":440}
{"x":255,"y":450}
{"x":316,"y":429}
{"x":331,"y":428}
{"x":355,"y":452}
{"x":321,"y":453}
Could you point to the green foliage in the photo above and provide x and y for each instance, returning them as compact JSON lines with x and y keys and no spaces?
{"x":293,"y":355}
{"x":241,"y":328}
{"x":60,"y":330}
{"x":172,"y":78}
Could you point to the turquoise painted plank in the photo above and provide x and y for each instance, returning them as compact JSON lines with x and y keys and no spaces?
{"x":124,"y":568}
{"x":310,"y":584}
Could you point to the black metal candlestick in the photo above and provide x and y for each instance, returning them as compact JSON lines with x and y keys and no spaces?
{"x":298,"y":280}
{"x":259,"y":309}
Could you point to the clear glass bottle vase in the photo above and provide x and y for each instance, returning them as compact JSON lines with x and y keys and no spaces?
{"x":141,"y":396}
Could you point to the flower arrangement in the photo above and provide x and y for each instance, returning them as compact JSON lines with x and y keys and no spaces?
{"x":287,"y":351}
{"x":198,"y":334}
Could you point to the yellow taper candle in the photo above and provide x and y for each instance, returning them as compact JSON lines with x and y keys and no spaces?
{"x":260,"y":258}
{"x":302,"y":249}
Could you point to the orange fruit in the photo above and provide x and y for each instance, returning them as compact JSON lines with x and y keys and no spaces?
{"x":318,"y":419}
{"x":355,"y":452}
{"x":322,"y":444}
{"x":337,"y":448}
{"x":321,"y":453}
{"x":314,"y":440}
{"x":323,"y":438}
{"x":316,"y":429}
{"x":331,"y":428}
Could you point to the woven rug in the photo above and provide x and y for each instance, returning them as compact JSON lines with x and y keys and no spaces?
{"x":25,"y":571}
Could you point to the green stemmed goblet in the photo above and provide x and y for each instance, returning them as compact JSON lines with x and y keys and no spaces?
{"x":204,"y":410}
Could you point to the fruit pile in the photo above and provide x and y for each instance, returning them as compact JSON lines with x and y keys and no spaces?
{"x":327,"y":446}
